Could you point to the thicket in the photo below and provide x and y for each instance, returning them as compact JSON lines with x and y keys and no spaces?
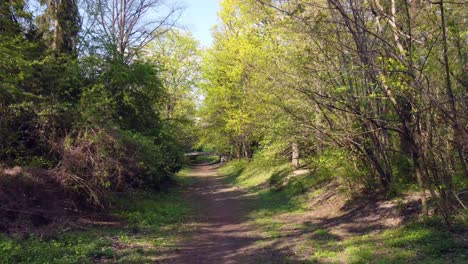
{"x":376,"y":87}
{"x":80,"y":116}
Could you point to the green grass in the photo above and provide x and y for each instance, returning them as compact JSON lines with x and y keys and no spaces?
{"x":152,"y":219}
{"x":413,"y":243}
{"x":253,"y":175}
{"x":76,"y":247}
{"x":203,"y":159}
{"x":256,"y":177}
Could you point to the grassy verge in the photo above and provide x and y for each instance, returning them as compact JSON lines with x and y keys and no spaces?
{"x":149,"y":224}
{"x":257,"y":179}
{"x":203,"y":159}
{"x":412,"y":243}
{"x":274,"y":211}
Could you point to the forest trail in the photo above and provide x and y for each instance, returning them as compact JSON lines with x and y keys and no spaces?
{"x":222,"y":233}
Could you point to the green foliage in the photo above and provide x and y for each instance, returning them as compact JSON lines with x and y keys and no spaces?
{"x":126,"y":95}
{"x":91,"y":119}
{"x":206,"y":159}
{"x":157,"y":161}
{"x":157,"y":216}
{"x":415,"y":243}
{"x":339,"y":164}
{"x":148,"y":210}
{"x":69,"y":248}
{"x":233,"y":110}
{"x":178,"y":56}
{"x":284,"y":72}
{"x":49,"y":97}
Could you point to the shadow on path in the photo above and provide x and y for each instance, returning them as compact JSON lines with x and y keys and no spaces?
{"x":222,"y":233}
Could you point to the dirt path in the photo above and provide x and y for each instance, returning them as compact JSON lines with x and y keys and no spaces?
{"x":221,"y":233}
{"x":220,"y":230}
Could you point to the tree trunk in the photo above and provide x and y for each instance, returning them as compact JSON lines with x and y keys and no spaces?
{"x":421,"y":183}
{"x":458,"y":133}
{"x":295,"y":155}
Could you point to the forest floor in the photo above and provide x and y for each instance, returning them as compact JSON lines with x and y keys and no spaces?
{"x":231,"y":214}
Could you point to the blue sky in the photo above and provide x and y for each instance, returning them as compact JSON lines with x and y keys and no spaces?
{"x":199,"y":17}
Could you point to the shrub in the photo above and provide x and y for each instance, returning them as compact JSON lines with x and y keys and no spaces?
{"x":92,"y":164}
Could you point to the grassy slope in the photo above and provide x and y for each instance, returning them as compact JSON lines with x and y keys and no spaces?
{"x":412,"y":243}
{"x":150,"y":222}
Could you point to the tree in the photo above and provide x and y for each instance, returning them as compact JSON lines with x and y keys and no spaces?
{"x":64,"y":19}
{"x":361,"y":77}
{"x":178,"y":55}
{"x":125,"y":27}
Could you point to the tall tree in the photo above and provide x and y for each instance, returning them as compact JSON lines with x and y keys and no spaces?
{"x":64,"y":19}
{"x":178,"y":56}
{"x":125,"y":27}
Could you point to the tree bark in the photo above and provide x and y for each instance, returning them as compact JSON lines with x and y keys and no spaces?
{"x":295,"y":155}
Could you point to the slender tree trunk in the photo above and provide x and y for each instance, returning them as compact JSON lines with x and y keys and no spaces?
{"x":295,"y":155}
{"x":421,"y":182}
{"x":458,"y":133}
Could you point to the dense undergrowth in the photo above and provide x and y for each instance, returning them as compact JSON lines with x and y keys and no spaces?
{"x":283,"y":211}
{"x":92,"y":165}
{"x":141,"y":224}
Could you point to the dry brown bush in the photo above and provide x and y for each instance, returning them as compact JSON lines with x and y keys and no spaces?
{"x":93,"y":164}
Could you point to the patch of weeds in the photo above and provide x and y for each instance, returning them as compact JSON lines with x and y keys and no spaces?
{"x":323,"y":254}
{"x":150,"y":210}
{"x":277,"y":176}
{"x":325,"y":246}
{"x":74,"y":247}
{"x":233,"y":170}
{"x":360,"y":254}
{"x":414,"y":243}
{"x":429,"y":240}
{"x":307,"y":226}
{"x":184,"y":177}
{"x":136,"y":255}
{"x":271,"y":227}
{"x":104,"y":252}
{"x":273,"y":203}
{"x":152,"y":219}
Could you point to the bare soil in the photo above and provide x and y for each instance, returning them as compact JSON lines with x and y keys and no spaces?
{"x":221,"y":232}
